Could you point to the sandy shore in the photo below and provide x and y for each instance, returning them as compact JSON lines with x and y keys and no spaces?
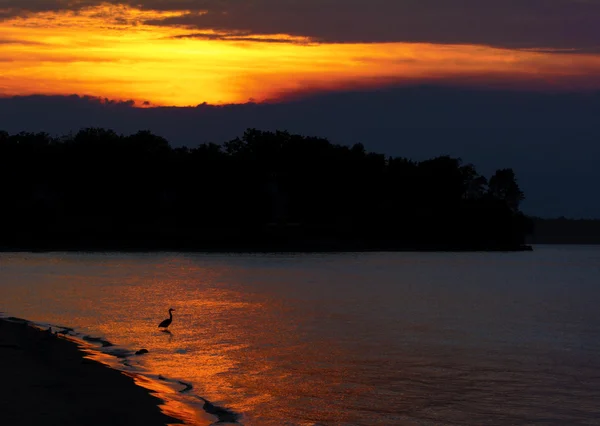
{"x":46,"y":381}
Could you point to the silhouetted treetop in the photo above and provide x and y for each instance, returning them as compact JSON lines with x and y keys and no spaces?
{"x":503,"y":186}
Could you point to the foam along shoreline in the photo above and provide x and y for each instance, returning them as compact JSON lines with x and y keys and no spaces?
{"x":49,"y":380}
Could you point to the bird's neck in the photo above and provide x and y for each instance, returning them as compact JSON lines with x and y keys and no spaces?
{"x":170,"y":314}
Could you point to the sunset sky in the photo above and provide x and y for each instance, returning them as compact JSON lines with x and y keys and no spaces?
{"x":186,"y":52}
{"x":499,"y":83}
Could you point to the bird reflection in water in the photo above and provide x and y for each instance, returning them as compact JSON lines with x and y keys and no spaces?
{"x":168,"y":332}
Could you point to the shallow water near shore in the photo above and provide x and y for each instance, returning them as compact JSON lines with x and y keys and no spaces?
{"x":336,"y":339}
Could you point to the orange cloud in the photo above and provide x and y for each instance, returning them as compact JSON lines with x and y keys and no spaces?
{"x":108,"y":51}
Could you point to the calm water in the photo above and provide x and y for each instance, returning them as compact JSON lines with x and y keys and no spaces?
{"x":341,"y":339}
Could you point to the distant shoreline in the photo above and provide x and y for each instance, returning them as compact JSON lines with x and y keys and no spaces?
{"x":565,"y":231}
{"x":260,"y":249}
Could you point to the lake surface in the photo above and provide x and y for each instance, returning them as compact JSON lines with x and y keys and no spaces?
{"x":340,"y":339}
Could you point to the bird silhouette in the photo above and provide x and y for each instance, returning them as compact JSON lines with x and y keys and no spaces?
{"x":166,"y":323}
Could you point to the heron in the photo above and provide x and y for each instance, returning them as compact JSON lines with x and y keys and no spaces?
{"x":166,"y":323}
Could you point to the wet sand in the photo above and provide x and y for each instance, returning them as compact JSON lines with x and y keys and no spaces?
{"x":47,"y":381}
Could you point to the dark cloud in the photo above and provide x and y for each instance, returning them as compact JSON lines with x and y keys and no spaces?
{"x":9,"y":8}
{"x":552,"y":140}
{"x":242,"y":36}
{"x":6,"y":41}
{"x":562,"y":24}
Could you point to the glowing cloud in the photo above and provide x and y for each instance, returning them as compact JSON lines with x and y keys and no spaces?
{"x":112,"y":51}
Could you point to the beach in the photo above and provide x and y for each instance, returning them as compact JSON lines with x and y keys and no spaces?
{"x":48,"y":381}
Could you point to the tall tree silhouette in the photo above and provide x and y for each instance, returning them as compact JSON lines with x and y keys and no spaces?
{"x":503,"y":186}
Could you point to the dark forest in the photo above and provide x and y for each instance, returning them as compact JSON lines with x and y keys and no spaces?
{"x":263,"y":191}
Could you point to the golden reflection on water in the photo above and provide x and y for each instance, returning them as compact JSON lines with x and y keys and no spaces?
{"x":172,"y":406}
{"x":241,"y":351}
{"x":337,"y":340}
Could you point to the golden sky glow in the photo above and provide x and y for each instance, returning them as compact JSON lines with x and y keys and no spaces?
{"x":108,"y":51}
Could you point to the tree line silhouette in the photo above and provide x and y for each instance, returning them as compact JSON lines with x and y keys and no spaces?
{"x":565,"y":231}
{"x":97,"y":189}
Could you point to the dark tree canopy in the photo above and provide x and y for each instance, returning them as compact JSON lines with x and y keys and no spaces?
{"x":503,"y":186}
{"x":263,"y":190}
